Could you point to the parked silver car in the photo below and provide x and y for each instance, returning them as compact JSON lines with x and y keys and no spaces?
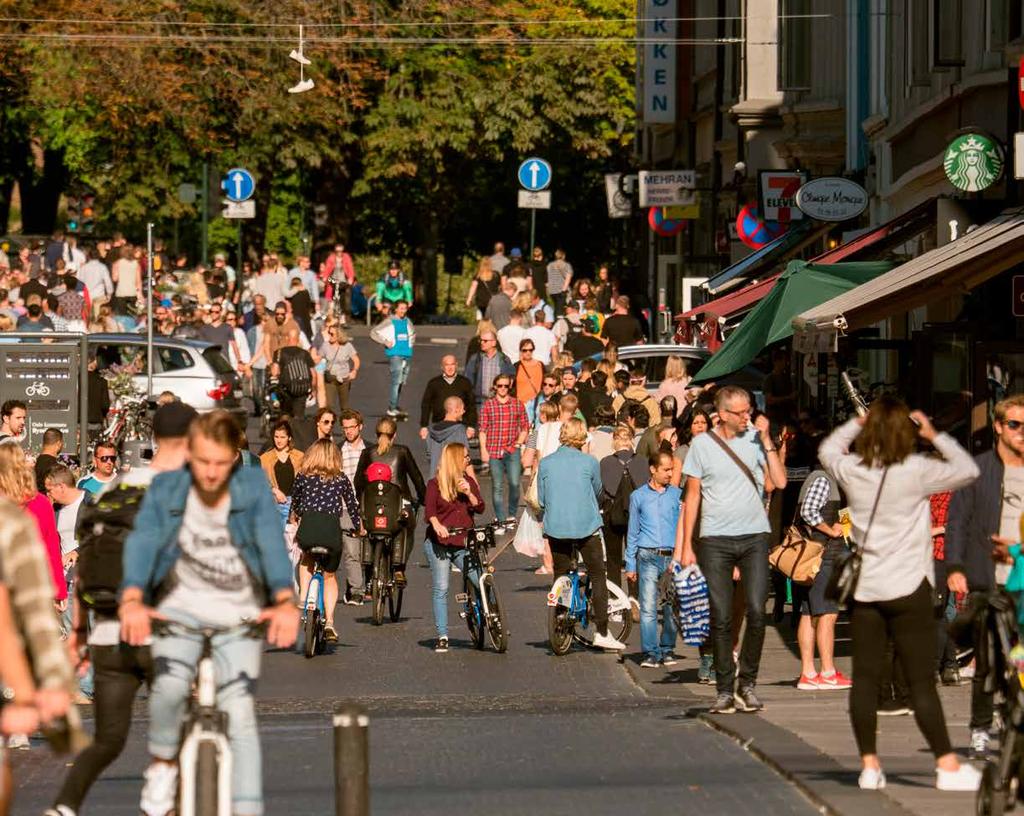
{"x":196,"y":371}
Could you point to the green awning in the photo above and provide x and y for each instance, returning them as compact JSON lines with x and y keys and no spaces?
{"x":801,"y":287}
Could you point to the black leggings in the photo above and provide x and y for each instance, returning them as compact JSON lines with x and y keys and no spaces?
{"x":563,"y":554}
{"x":910,"y":622}
{"x":119,"y":671}
{"x":613,"y":553}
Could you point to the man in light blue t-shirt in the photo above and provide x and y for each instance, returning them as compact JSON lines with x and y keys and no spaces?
{"x":728,"y":498}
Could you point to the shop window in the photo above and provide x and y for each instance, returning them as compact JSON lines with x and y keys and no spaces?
{"x":795,"y":45}
{"x":947,"y":33}
{"x":916,"y":53}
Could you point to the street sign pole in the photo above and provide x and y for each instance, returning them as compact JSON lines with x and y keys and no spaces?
{"x":205,"y":214}
{"x":149,"y":310}
{"x":533,"y":230}
{"x":238,"y":261}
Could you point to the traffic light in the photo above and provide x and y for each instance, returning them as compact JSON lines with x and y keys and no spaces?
{"x":88,"y":212}
{"x":74,"y":213}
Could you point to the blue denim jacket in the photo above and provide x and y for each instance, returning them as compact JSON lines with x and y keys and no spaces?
{"x":254,"y":522}
{"x":568,"y":487}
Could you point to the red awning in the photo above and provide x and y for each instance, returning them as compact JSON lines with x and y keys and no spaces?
{"x":735,"y":301}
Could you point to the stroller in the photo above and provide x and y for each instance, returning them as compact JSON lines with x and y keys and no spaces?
{"x":991,"y":618}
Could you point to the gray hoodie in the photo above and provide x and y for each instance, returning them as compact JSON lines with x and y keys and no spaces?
{"x":440,"y":434}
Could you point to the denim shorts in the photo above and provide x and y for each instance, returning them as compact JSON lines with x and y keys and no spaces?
{"x":811,"y":600}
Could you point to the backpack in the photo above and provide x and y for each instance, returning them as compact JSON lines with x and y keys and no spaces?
{"x":617,"y":508}
{"x":295,"y":380}
{"x":103,"y":526}
{"x":381,"y":508}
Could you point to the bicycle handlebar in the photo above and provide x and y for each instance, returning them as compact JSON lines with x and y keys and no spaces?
{"x":493,"y":527}
{"x":251,"y":628}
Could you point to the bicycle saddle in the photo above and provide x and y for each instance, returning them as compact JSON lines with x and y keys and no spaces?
{"x":318,"y":551}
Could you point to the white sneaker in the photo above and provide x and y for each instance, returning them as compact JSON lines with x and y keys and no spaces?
{"x":967,"y":778}
{"x":159,"y":790}
{"x":18,"y":741}
{"x":301,"y":87}
{"x":871,"y":779}
{"x":299,"y":57}
{"x":608,"y":642}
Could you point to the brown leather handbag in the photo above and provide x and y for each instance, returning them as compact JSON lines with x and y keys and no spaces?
{"x":797,"y":557}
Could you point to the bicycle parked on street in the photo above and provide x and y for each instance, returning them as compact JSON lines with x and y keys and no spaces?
{"x":570,"y":611}
{"x":205,"y":759}
{"x":482,"y":607}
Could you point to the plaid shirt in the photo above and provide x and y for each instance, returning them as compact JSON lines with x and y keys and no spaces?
{"x":26,"y":574}
{"x":940,"y":511}
{"x":350,"y":453}
{"x":815,"y":498}
{"x":502,"y":423}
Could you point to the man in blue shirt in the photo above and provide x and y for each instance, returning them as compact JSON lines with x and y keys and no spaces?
{"x":397,"y":335}
{"x":726,"y":470}
{"x":653,"y":515}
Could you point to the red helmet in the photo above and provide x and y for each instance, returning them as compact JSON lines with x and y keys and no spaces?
{"x":378,"y":472}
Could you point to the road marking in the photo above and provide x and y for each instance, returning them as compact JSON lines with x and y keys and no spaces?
{"x":444,"y":341}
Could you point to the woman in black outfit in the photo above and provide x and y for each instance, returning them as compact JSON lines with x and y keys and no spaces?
{"x":403,"y":469}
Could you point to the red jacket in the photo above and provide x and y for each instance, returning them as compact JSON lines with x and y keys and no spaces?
{"x":46,"y":522}
{"x":346,"y":266}
{"x":458,"y":513}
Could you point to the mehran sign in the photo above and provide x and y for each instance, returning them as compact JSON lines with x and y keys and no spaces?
{"x":832,"y":199}
{"x":667,"y":188}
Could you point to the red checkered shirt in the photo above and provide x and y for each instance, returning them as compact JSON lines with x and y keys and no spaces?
{"x":940,"y":510}
{"x":502,"y":423}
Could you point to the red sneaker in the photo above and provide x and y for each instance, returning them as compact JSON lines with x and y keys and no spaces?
{"x":835,"y":682}
{"x":806,"y":683}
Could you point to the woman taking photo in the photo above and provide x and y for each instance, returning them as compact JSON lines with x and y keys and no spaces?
{"x":453,"y":499}
{"x":341,"y":361}
{"x":887,"y":489}
{"x":321,"y":498}
{"x":281,"y":464}
{"x":403,"y":469}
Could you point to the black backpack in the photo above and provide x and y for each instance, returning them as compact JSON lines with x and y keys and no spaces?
{"x":617,"y":508}
{"x":103,"y":525}
{"x":295,"y":380}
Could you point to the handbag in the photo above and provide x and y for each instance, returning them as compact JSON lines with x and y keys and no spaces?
{"x":842,"y":583}
{"x":797,"y":557}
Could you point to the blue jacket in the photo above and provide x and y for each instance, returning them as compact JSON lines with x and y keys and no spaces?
{"x":475,"y":371}
{"x":151,"y":549}
{"x":568,"y":487}
{"x":652,"y":521}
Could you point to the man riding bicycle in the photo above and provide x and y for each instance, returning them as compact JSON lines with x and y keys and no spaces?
{"x":207,"y":550}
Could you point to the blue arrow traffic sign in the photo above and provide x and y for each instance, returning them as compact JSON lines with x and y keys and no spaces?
{"x":238,"y":184}
{"x":534,"y":174}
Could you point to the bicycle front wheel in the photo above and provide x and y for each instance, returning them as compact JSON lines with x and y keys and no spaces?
{"x":496,"y":629}
{"x":474,"y":615}
{"x":395,"y":603}
{"x":561,"y":628}
{"x":206,"y":780}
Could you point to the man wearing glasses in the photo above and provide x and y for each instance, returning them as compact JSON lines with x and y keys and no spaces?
{"x":987,"y":510}
{"x":486,"y":365}
{"x":503,"y":429}
{"x":726,"y":470}
{"x":104,"y":460}
{"x":220,"y":333}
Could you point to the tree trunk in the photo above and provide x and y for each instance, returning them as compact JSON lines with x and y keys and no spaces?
{"x":40,"y":188}
{"x":6,"y":189}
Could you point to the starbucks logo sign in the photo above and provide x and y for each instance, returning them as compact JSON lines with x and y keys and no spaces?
{"x":973,"y":162}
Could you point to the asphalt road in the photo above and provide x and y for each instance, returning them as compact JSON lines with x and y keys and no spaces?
{"x":515,"y":733}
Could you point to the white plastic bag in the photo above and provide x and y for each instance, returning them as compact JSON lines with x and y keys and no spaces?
{"x":529,"y":538}
{"x":693,"y":607}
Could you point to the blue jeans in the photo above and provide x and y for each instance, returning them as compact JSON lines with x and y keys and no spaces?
{"x":717,"y":555}
{"x":399,"y":374}
{"x":237,"y":663}
{"x":507,"y":467}
{"x":284,"y":508}
{"x":438,"y":556}
{"x":650,"y":566}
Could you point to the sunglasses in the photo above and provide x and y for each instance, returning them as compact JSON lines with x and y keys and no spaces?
{"x":550,"y":385}
{"x":326,"y":421}
{"x":502,"y":385}
{"x":1013,"y":424}
{"x":106,"y":458}
{"x":528,"y":348}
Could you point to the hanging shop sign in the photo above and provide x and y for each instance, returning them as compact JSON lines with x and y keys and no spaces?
{"x":832,"y":199}
{"x":973,"y":162}
{"x":778,"y":194}
{"x":754,"y":231}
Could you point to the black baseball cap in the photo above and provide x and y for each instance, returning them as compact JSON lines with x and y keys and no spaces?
{"x":171,"y":421}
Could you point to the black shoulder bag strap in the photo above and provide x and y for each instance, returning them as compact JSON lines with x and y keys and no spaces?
{"x":739,"y":462}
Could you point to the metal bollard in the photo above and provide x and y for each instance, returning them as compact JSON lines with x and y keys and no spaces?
{"x":351,"y":760}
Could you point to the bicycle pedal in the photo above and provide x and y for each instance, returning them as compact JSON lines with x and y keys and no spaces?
{"x":461,"y":597}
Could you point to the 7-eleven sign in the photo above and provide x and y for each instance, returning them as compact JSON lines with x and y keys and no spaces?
{"x":778,"y":195}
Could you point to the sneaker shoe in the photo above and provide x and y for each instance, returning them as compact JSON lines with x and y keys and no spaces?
{"x":893,"y":709}
{"x":871,"y":779}
{"x":355,"y":599}
{"x":747,"y":701}
{"x":965,"y":778}
{"x":391,"y":412}
{"x":81,"y":698}
{"x":980,"y":741}
{"x":650,"y":663}
{"x":950,"y":676}
{"x":299,"y":57}
{"x":669,"y":659}
{"x":724,"y":704}
{"x":18,"y":742}
{"x":330,"y":634}
{"x":441,"y":645}
{"x":455,"y":568}
{"x":706,"y":670}
{"x":400,"y":578}
{"x":608,"y":643}
{"x":834,"y":682}
{"x":60,"y":810}
{"x":806,"y":683}
{"x":160,"y":788}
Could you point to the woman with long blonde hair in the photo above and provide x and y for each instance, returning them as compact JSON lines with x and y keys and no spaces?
{"x":322,"y":498}
{"x":453,"y":499}
{"x":18,"y":484}
{"x":485,"y":285}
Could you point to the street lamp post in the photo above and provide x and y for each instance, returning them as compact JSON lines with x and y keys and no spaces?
{"x":149,"y":310}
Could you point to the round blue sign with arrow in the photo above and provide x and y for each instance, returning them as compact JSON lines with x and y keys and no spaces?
{"x":238,"y":184}
{"x":534,"y":174}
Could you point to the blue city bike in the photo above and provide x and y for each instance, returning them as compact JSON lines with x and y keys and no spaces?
{"x":481,"y":603}
{"x":570,"y":611}
{"x":314,"y":617}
